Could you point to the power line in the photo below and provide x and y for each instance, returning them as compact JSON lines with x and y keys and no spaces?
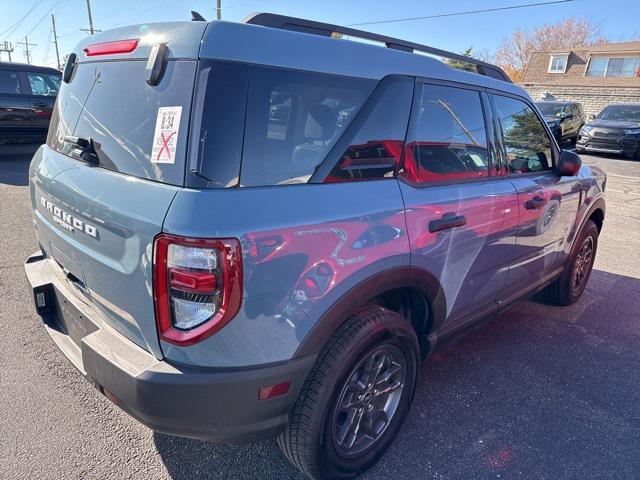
{"x":43,"y":17}
{"x":13,"y":27}
{"x":453,"y":14}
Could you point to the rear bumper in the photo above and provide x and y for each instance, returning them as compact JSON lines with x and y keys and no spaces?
{"x":207,"y":404}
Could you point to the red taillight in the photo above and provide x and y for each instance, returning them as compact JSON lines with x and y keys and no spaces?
{"x":111,"y":48}
{"x":197,"y":286}
{"x":191,"y":281}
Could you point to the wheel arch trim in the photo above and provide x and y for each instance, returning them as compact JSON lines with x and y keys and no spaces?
{"x":371,"y":287}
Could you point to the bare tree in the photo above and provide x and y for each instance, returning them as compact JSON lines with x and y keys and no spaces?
{"x":514,"y":52}
{"x":482,"y":54}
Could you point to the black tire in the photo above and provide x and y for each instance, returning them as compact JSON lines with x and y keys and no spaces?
{"x":566,"y":290}
{"x":310,"y":440}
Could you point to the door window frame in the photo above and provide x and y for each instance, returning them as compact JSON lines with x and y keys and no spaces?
{"x":504,"y":165}
{"x":490,"y":132}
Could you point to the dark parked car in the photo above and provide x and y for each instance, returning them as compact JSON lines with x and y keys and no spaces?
{"x":253,"y":229}
{"x":616,"y":129}
{"x":564,"y":119}
{"x":27,"y":96}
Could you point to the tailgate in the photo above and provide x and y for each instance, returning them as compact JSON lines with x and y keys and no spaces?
{"x":99,"y":227}
{"x":97,"y":209}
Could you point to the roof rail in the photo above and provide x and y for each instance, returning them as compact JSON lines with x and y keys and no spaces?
{"x":326,"y":29}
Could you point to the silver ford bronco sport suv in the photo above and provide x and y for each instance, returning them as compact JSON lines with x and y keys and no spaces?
{"x":253,"y":229}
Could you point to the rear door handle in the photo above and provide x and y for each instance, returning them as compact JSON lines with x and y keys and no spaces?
{"x":448,"y":220}
{"x":535,"y":203}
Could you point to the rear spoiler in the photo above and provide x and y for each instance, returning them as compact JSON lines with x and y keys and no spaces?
{"x":182,"y":39}
{"x":327,"y":30}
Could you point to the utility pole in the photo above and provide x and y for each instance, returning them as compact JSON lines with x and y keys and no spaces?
{"x":218,"y":9}
{"x":90,"y":30}
{"x":6,"y":47}
{"x":90,"y":18}
{"x":26,"y":45}
{"x":55,"y":40}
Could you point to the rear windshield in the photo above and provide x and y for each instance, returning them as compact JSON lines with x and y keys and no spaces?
{"x":136,"y":129}
{"x":283,"y":122}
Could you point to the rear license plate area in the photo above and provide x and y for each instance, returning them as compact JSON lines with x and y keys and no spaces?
{"x":71,"y":320}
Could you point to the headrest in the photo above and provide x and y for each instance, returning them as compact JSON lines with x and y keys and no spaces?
{"x":321,"y":122}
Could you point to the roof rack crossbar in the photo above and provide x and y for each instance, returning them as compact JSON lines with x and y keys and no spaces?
{"x":326,"y":29}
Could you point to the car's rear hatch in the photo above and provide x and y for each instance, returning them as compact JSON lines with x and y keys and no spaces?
{"x":98,"y":222}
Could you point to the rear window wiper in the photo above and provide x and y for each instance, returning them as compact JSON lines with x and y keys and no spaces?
{"x":84,"y":148}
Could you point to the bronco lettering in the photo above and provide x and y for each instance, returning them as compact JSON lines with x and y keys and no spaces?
{"x":68,"y":221}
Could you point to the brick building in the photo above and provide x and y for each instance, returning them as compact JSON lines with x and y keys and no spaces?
{"x":593,"y":76}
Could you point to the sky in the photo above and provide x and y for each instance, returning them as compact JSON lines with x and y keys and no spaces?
{"x":617,"y":18}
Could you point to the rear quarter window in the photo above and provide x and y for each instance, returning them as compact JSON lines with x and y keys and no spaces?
{"x":293,"y":120}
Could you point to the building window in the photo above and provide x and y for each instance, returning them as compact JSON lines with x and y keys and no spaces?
{"x":597,"y":67}
{"x":558,"y":63}
{"x":614,"y":67}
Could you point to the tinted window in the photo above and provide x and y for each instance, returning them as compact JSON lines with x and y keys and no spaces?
{"x":527,"y":144}
{"x":10,"y":82}
{"x":44,"y":84}
{"x":447,"y":138}
{"x":374,"y":148}
{"x":111,"y":103}
{"x":281,"y":107}
{"x":293,"y":120}
{"x":222,"y":122}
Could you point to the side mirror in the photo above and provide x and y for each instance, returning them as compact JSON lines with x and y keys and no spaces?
{"x":569,"y":164}
{"x":591,"y":116}
{"x":568,"y":116}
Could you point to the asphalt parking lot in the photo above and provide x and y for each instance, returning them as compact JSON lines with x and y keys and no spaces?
{"x":539,"y":393}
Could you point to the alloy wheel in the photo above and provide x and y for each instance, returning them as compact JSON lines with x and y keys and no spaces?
{"x":582,"y":264}
{"x":369,"y":400}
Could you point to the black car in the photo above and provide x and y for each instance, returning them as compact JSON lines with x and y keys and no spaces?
{"x":27,"y":96}
{"x":564,"y":119}
{"x":616,"y":129}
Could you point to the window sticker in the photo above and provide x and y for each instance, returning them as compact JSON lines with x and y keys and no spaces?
{"x":165,"y":138}
{"x":477,"y":159}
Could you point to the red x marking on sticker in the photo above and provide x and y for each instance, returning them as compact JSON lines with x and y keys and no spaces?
{"x":165,"y":145}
